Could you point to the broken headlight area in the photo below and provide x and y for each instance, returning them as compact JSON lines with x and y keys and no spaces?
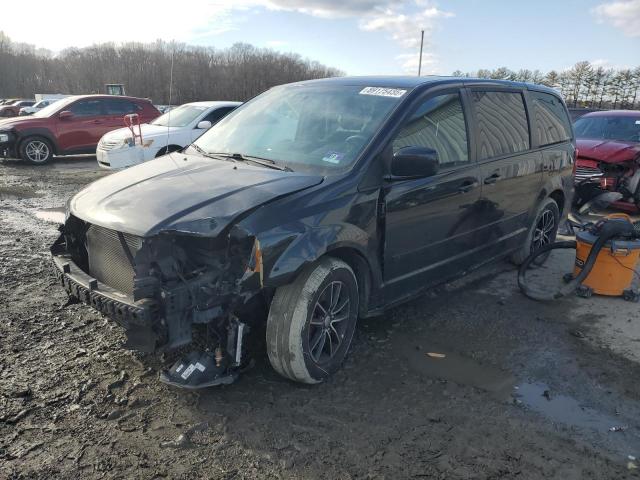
{"x":622,"y":178}
{"x":171,"y":292}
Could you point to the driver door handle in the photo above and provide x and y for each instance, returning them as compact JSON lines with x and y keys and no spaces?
{"x":492,"y":179}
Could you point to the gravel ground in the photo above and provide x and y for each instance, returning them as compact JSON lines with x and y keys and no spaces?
{"x":525,"y":390}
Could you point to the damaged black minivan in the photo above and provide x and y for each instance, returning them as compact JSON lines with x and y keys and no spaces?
{"x":311,"y":205}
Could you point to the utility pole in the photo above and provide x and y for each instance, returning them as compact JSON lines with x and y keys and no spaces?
{"x":421,"y":44}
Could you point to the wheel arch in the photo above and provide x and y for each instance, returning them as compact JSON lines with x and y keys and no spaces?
{"x":362,"y":270}
{"x":559,"y":197}
{"x":168,"y":149}
{"x":345,"y":242}
{"x":37,"y":132}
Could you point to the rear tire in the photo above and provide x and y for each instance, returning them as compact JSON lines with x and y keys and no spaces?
{"x":36,"y":150}
{"x":311,"y":322}
{"x":543,"y":230}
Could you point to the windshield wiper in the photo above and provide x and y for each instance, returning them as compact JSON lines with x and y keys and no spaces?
{"x":265,"y":162}
{"x":203,"y":152}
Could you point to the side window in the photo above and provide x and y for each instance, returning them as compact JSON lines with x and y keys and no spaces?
{"x":439,"y":123}
{"x":120,"y":107}
{"x":501,"y":122}
{"x":87,"y":108}
{"x":551,"y":119}
{"x":217,"y":114}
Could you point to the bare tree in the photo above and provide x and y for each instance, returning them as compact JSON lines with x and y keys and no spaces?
{"x":581,"y":85}
{"x":236,"y":73}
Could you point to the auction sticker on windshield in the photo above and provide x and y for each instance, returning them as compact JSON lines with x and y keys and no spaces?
{"x":333,"y":157}
{"x":383,"y":92}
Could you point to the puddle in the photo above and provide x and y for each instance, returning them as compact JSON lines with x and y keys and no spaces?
{"x":563,"y":409}
{"x":17,"y":193}
{"x":458,"y":368}
{"x":53,"y":215}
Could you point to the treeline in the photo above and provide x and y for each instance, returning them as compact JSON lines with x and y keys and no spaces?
{"x":199,"y":73}
{"x":583,"y":85}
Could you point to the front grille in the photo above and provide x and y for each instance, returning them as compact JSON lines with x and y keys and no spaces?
{"x":108,"y":260}
{"x":107,"y":145}
{"x":586,"y":173}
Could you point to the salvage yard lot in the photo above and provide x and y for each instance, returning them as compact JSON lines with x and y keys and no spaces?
{"x":74,"y":404}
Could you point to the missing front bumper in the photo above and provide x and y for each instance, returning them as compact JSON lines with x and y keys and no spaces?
{"x":137,"y":317}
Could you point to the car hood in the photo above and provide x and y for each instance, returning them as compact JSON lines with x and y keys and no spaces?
{"x":147,"y":129}
{"x":9,"y":123}
{"x":182,"y":193}
{"x":609,"y":151}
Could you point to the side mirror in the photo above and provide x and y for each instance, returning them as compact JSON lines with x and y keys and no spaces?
{"x":204,"y":125}
{"x":414,"y":162}
{"x":65,"y":115}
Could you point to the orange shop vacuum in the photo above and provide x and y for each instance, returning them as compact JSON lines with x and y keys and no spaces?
{"x":607,"y":255}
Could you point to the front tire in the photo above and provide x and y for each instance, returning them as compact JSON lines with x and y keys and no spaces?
{"x":312,"y":320}
{"x":542,"y":232}
{"x":36,"y":150}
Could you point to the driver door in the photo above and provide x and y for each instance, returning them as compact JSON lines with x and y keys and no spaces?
{"x":430,"y":222}
{"x":81,"y":132}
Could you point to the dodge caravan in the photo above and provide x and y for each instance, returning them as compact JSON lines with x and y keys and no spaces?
{"x":312,"y":205}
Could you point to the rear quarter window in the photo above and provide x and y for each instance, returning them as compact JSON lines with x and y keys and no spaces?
{"x":501,"y":122}
{"x":87,"y":108}
{"x":552,"y":123}
{"x":121,"y":107}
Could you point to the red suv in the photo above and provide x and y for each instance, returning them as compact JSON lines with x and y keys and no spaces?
{"x":69,"y":126}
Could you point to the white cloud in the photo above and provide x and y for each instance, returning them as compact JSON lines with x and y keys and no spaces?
{"x":624,"y":15}
{"x":79,"y":25}
{"x":333,"y":8}
{"x":405,"y":27}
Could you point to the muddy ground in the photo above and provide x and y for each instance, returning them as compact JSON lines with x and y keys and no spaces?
{"x":525,"y":390}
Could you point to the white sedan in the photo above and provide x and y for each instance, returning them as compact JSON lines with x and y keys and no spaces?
{"x":172,"y":131}
{"x":37,"y":106}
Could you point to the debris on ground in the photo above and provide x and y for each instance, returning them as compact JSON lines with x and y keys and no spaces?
{"x":436,"y":355}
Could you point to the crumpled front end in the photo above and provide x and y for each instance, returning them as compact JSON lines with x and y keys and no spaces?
{"x":167,"y":291}
{"x":594,"y":177}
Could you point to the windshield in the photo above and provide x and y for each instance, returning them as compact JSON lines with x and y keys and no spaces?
{"x":180,"y":116}
{"x":44,"y":103}
{"x":625,"y":128}
{"x":320,"y":128}
{"x":55,"y":107}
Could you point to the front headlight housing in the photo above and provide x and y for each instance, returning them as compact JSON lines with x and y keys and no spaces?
{"x":4,"y":137}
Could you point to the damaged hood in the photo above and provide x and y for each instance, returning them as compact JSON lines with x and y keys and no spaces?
{"x":182,"y":193}
{"x":610,"y":151}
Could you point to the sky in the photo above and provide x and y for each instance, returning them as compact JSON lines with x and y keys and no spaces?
{"x":360,"y":37}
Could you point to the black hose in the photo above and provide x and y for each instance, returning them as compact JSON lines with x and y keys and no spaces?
{"x":607,"y":231}
{"x":537,"y":294}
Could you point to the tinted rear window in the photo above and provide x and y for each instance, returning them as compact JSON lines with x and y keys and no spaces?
{"x":551,"y":119}
{"x":501,"y":123}
{"x":87,"y":108}
{"x":120,"y":107}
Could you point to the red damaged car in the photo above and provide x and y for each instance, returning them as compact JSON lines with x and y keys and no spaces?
{"x":608,"y":157}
